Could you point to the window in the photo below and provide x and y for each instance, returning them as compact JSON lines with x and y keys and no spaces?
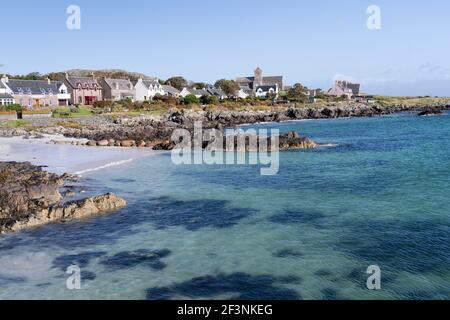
{"x":80,"y":100}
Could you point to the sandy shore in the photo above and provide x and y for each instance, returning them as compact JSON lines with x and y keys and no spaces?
{"x":66,"y":158}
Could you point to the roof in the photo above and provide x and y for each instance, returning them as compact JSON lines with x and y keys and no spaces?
{"x":33,"y":86}
{"x":250,"y":81}
{"x":75,"y":81}
{"x":272,"y":80}
{"x":170,"y":89}
{"x":6,"y":96}
{"x":338,"y":90}
{"x":216,"y":92}
{"x":2,"y":86}
{"x":199,"y":92}
{"x":266,"y":88}
{"x":119,"y":84}
{"x":148,"y":82}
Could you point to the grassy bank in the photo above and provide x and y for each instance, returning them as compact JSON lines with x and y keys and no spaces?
{"x":15,"y":124}
{"x":411,"y":101}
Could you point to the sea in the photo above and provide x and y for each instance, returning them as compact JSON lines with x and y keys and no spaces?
{"x":369,"y":206}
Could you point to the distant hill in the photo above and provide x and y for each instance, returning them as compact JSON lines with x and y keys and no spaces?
{"x":109,"y":73}
{"x":59,"y":76}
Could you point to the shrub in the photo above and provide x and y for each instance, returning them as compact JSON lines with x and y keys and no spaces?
{"x":103,"y":104}
{"x":209,"y":100}
{"x":13,"y":107}
{"x":191,"y":99}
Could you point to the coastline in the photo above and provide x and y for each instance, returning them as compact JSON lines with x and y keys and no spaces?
{"x":55,"y":151}
{"x":154,"y":132}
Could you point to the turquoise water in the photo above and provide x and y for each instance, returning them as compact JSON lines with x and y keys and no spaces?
{"x":378,"y":197}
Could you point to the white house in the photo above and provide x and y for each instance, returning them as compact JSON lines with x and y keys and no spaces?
{"x":147,"y":89}
{"x":242,"y":93}
{"x":196,"y":92}
{"x":6,"y":97}
{"x":63,"y":94}
{"x":264,"y":91}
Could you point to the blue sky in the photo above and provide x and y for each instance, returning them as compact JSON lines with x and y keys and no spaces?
{"x":311,"y":42}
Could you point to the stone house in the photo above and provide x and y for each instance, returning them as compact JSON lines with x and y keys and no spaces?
{"x":251,"y":84}
{"x":83,"y":90}
{"x":117,"y":89}
{"x":37,"y":94}
{"x":345,"y":89}
{"x":355,"y":87}
{"x":217,"y":93}
{"x":171,"y":91}
{"x":146,"y":90}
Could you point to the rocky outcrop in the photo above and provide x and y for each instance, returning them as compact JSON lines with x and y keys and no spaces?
{"x":67,"y":212}
{"x":155,"y":131}
{"x":430,"y":112}
{"x":254,"y":143}
{"x":30,"y":197}
{"x":293,"y":141}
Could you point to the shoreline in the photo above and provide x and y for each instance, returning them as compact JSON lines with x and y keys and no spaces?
{"x":16,"y":144}
{"x":59,"y":159}
{"x":154,"y":132}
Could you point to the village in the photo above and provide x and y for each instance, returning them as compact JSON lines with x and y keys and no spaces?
{"x":41,"y":96}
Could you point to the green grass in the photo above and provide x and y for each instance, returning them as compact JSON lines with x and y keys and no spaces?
{"x":15,"y":124}
{"x":82,"y":112}
{"x":416,"y":101}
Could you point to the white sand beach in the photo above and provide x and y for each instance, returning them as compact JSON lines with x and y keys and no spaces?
{"x":66,"y":158}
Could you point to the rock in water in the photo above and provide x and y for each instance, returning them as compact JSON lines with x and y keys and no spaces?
{"x":430,"y":112}
{"x":87,"y":207}
{"x":30,"y":197}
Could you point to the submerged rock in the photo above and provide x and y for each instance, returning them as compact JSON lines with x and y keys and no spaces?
{"x":30,"y":197}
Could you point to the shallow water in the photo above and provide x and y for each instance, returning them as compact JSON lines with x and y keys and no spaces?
{"x":379,"y":197}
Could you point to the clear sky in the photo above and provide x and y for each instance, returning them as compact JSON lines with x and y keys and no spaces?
{"x":311,"y":42}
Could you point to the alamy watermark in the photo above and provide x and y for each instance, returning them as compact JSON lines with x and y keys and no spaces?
{"x":73,"y":282}
{"x":374,"y":19}
{"x":374,"y":280}
{"x":73,"y":21}
{"x":234,"y":147}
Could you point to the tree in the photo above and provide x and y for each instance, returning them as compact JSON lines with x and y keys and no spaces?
{"x":191,"y":99}
{"x":199,"y":85}
{"x":177,"y":82}
{"x":57,"y":76}
{"x":298,"y":93}
{"x":209,"y":100}
{"x":228,"y":86}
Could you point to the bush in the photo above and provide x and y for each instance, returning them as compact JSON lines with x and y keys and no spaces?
{"x":13,"y":107}
{"x":191,"y":99}
{"x":103,"y":104}
{"x":209,"y":100}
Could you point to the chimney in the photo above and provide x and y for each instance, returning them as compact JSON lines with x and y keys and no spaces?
{"x":67,"y":76}
{"x":49,"y":81}
{"x":5,"y":79}
{"x":93,"y":76}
